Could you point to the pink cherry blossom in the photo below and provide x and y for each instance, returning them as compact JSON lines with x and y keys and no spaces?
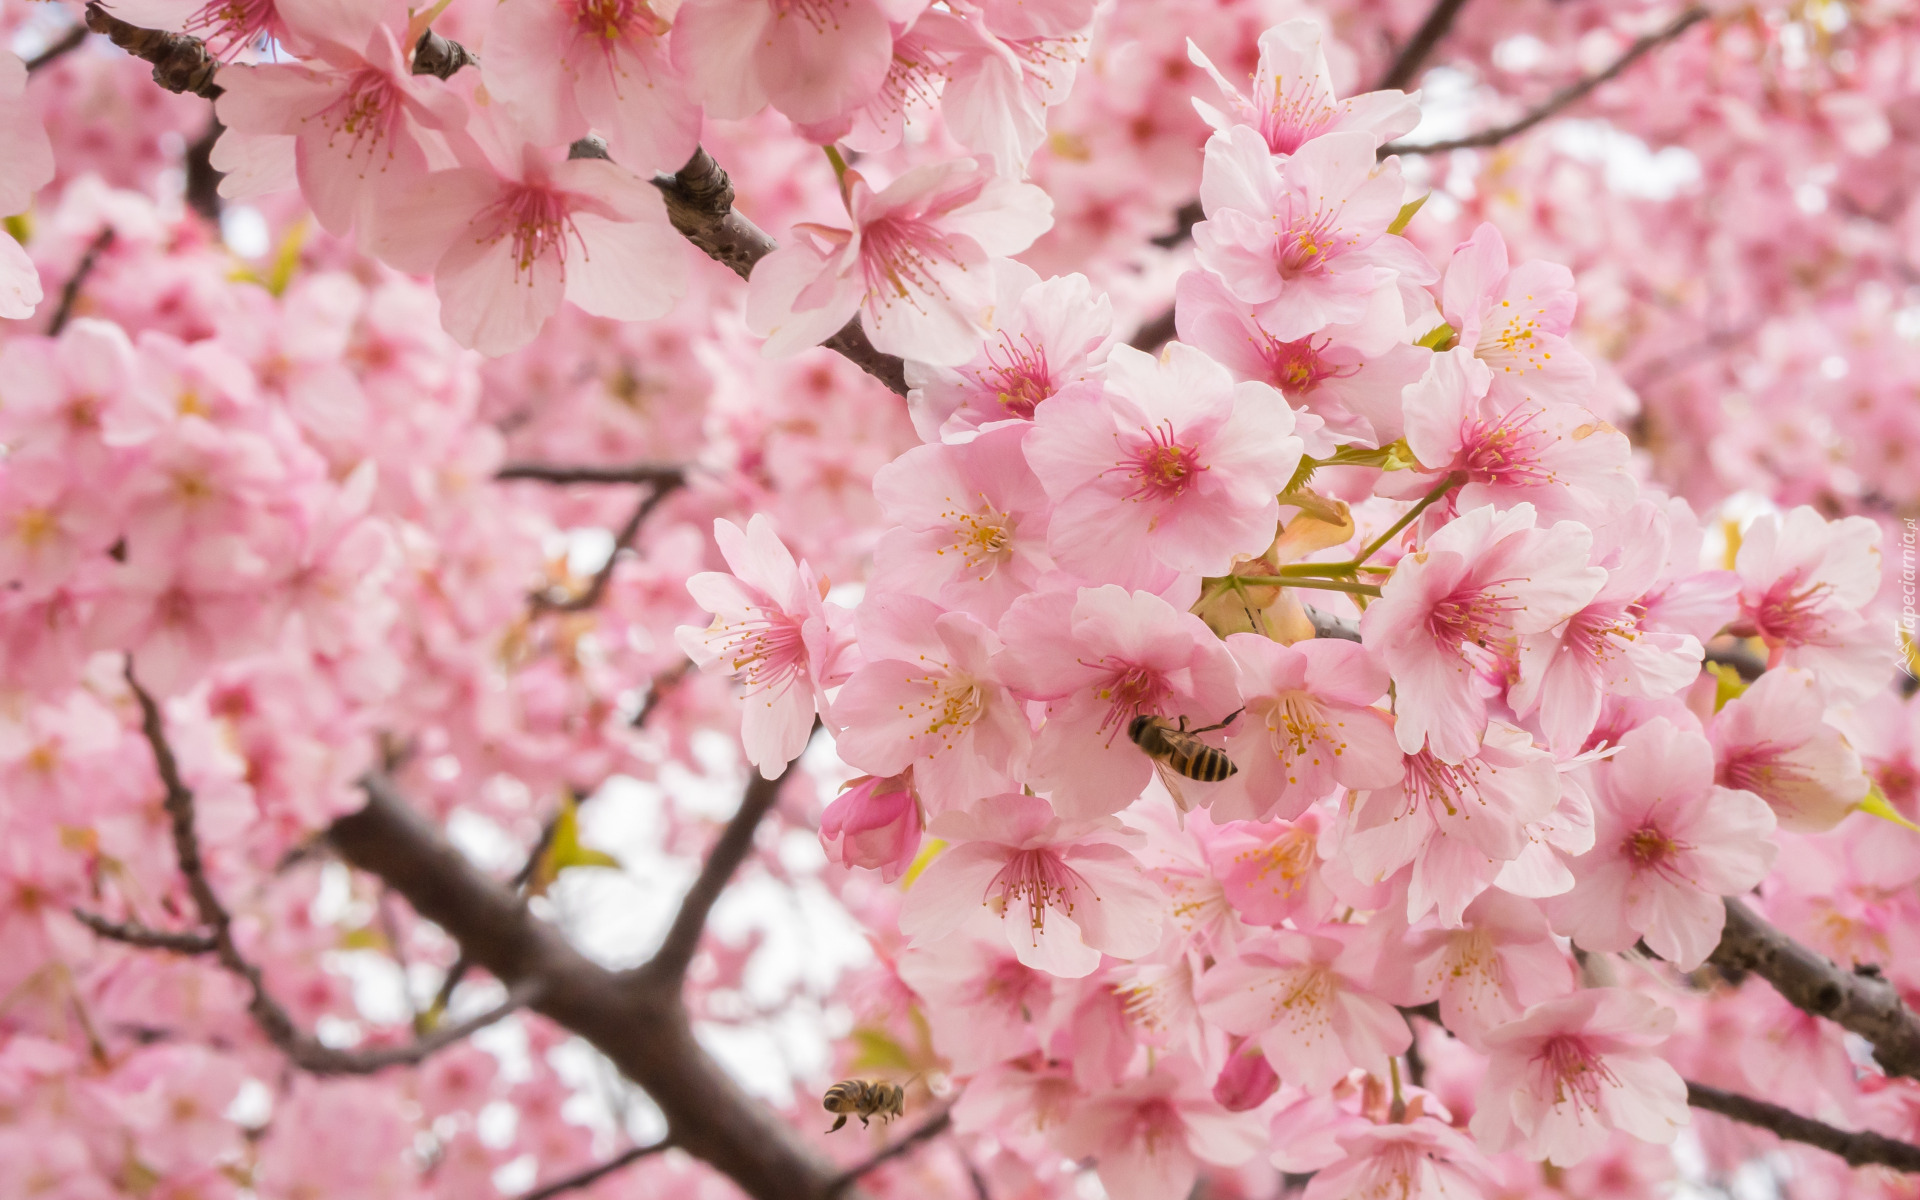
{"x":26,"y":165}
{"x":1048,"y":336}
{"x":970,"y":524}
{"x":1501,"y":960}
{"x":1803,"y":580}
{"x":1149,"y":1137}
{"x":1293,"y":100}
{"x":1423,"y":1159}
{"x":1668,"y":843}
{"x":1478,"y":586}
{"x":1305,"y":236}
{"x":874,"y":823}
{"x":773,"y":630}
{"x":1271,"y":873}
{"x":1455,"y":822}
{"x":1606,"y":648}
{"x":1066,"y":891}
{"x":362,"y":123}
{"x":570,"y":65}
{"x":506,"y":242}
{"x":1570,"y":1071}
{"x":1309,"y":725}
{"x":930,"y":696}
{"x":1514,"y":449}
{"x":1516,"y":322}
{"x":1173,"y":468}
{"x":813,"y":61}
{"x":916,"y":266}
{"x":1100,"y":657}
{"x":985,"y":1006}
{"x":1773,"y":741}
{"x":1305,"y":997}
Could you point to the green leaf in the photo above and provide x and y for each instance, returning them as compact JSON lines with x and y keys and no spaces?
{"x":1406,"y":214}
{"x":1440,"y":337}
{"x":1876,"y":804}
{"x":927,"y":854}
{"x":877,"y":1053}
{"x":1728,"y":685}
{"x":564,"y":850}
{"x":19,"y":227}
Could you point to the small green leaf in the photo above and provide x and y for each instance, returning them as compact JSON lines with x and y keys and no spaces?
{"x":1876,"y":804}
{"x":564,"y":850}
{"x":927,"y":854}
{"x":1406,"y":214}
{"x":1727,"y":684}
{"x":19,"y":226}
{"x":877,"y":1053}
{"x":1440,"y":337}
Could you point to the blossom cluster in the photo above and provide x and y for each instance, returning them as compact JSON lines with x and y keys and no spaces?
{"x":1514,"y":757}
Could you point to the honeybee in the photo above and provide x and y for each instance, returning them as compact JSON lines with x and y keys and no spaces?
{"x":866,"y":1099}
{"x":1177,"y":750}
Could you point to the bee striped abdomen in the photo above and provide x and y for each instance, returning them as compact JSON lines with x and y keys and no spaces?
{"x":1201,"y":761}
{"x":1179,"y":751}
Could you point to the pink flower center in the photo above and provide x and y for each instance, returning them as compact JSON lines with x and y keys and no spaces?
{"x":981,"y":539}
{"x":1789,"y":615}
{"x":365,"y":114}
{"x":1297,"y":110}
{"x":1289,"y":857}
{"x":1760,"y":769}
{"x":1600,"y":632}
{"x":540,"y":222}
{"x":1575,"y":1071}
{"x":1517,"y":339}
{"x":766,"y":649}
{"x":1294,"y":723}
{"x":1444,"y":786}
{"x":1014,"y":987}
{"x":1130,"y":689}
{"x":1161,"y":468}
{"x":230,"y":26}
{"x":617,"y":20}
{"x":1296,"y":367}
{"x":1308,"y":242}
{"x":823,"y":15}
{"x":1507,"y":450}
{"x":1022,"y":380}
{"x":1039,"y":879}
{"x":898,"y":256}
{"x":1468,"y":616}
{"x":1649,"y":848}
{"x":1156,"y":1123}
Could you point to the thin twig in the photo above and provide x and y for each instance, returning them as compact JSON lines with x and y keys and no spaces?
{"x":70,"y":294}
{"x":657,"y":690}
{"x":68,"y":43}
{"x":462,"y":963}
{"x":1561,"y":99}
{"x":183,"y":941}
{"x":268,"y":1013}
{"x":180,"y":63}
{"x":1860,"y":1000}
{"x":1858,"y":1149}
{"x":594,"y":1174}
{"x":932,"y":1128}
{"x":1406,"y":65}
{"x":658,"y":474}
{"x":597,"y":586}
{"x":669,"y":963}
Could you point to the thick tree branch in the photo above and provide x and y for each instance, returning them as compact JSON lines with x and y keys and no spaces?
{"x":1406,"y":64}
{"x":1858,"y":1149}
{"x":70,"y":293}
{"x":933,"y":1127}
{"x":597,"y":587}
{"x":436,"y":56}
{"x":68,"y":43}
{"x":135,"y":934}
{"x":644,"y":1030}
{"x":1562,"y":99}
{"x":180,"y":63}
{"x":203,"y":181}
{"x":669,"y":963}
{"x":1860,"y":1000}
{"x":595,"y":1174}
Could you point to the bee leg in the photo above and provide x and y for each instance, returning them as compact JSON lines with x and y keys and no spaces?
{"x":839,"y":1123}
{"x":1231,"y":718}
{"x":863,"y":1122}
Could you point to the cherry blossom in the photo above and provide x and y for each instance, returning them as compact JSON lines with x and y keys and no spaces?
{"x":1149,"y":1137}
{"x":1772,"y":741}
{"x":1293,"y":100}
{"x":26,"y":163}
{"x":1803,"y":580}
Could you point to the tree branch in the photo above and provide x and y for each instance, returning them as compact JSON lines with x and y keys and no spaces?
{"x":437,"y":56}
{"x":597,"y":587}
{"x":1858,"y":1149}
{"x":1565,"y":97}
{"x":1859,"y":1000}
{"x":658,"y":474}
{"x":70,"y":293}
{"x":933,"y":1127}
{"x":644,"y":1030}
{"x":595,"y":1174}
{"x":184,"y":941}
{"x":1328,"y":625}
{"x":180,"y":63}
{"x":70,"y":41}
{"x":669,"y":963}
{"x":1406,"y":65}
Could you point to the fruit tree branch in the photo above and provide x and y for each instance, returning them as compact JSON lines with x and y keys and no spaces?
{"x":931,"y":1128}
{"x":597,"y":1172}
{"x":1406,"y":65}
{"x":1858,"y":1149}
{"x":67,"y":43}
{"x":1859,"y":1000}
{"x":180,"y":63}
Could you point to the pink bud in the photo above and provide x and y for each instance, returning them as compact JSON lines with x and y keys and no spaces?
{"x":874,"y":823}
{"x":1246,"y":1081}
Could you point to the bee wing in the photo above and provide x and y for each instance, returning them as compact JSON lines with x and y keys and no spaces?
{"x":1170,"y":780}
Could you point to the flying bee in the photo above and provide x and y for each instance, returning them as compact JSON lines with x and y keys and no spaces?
{"x":1177,"y":750}
{"x":866,"y":1099}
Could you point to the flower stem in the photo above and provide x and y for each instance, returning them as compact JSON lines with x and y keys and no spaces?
{"x":1446,"y":485}
{"x":1325,"y":585}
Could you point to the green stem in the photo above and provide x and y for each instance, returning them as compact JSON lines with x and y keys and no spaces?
{"x":1441,"y":489}
{"x":1325,"y":585}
